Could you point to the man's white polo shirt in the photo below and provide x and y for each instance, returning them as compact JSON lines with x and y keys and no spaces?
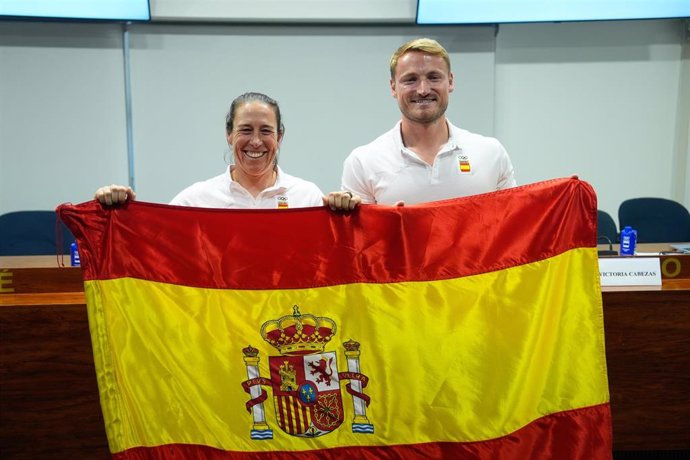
{"x":385,"y":171}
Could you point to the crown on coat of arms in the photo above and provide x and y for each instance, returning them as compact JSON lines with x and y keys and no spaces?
{"x":298,"y":334}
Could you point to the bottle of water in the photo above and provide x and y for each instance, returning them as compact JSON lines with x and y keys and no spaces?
{"x":74,"y":255}
{"x":628,"y":241}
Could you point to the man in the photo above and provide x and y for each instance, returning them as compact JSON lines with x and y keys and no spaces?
{"x":424,"y":157}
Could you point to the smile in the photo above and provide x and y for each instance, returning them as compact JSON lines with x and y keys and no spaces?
{"x":254,"y":155}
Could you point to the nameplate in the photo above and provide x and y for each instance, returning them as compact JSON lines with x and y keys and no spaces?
{"x":630,"y":271}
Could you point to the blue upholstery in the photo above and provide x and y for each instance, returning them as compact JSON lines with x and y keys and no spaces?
{"x":606,"y":228}
{"x":657,"y":220}
{"x":28,"y":233}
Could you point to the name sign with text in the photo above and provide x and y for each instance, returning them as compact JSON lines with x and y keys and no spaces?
{"x":630,"y":271}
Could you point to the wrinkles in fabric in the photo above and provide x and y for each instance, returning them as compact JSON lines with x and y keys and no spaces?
{"x":313,"y":247}
{"x":461,"y":360}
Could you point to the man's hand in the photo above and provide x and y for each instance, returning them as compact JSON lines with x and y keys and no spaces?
{"x":114,"y":194}
{"x":342,"y":201}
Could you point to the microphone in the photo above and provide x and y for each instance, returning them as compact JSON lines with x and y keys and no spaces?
{"x":610,"y":251}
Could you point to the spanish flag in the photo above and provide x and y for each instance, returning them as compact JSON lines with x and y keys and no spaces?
{"x":463,"y":329}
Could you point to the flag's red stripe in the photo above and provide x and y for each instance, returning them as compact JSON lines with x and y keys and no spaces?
{"x":301,"y":248}
{"x":583,"y":434}
{"x":281,"y":410}
{"x":285,"y":407}
{"x":294,"y":410}
{"x":304,"y":420}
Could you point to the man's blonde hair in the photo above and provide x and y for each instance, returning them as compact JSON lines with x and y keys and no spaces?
{"x":423,"y":45}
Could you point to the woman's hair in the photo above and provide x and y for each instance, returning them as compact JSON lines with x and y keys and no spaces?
{"x":250,"y":97}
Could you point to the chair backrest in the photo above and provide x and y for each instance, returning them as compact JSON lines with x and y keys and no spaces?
{"x":29,"y":233}
{"x":657,"y":220}
{"x":606,"y":227}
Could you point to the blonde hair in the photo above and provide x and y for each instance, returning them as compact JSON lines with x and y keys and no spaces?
{"x":423,"y":45}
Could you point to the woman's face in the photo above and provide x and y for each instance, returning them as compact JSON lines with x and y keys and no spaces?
{"x":255,"y":138}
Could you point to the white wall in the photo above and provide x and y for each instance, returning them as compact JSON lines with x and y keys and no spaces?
{"x":563,"y":98}
{"x":595,"y":99}
{"x":681,"y":165}
{"x":61,"y":113}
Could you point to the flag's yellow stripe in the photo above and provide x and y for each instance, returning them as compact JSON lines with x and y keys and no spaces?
{"x":465,"y":359}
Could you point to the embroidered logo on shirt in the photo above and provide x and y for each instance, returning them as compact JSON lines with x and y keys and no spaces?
{"x":282,"y":202}
{"x":464,"y":163}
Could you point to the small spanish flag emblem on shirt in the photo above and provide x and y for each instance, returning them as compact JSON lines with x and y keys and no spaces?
{"x":282,"y":202}
{"x":464,"y":163}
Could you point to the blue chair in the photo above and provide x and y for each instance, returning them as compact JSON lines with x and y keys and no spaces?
{"x":30,"y":233}
{"x":606,"y":228}
{"x":657,"y":220}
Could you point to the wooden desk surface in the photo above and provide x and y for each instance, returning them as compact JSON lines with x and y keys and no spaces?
{"x":49,"y":407}
{"x":645,"y":247}
{"x":34,"y":261}
{"x":37,"y":274}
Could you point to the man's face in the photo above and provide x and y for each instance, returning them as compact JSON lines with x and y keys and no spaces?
{"x":421,"y":85}
{"x":255,"y":138}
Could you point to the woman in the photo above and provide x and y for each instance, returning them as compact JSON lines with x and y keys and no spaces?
{"x":254,"y":132}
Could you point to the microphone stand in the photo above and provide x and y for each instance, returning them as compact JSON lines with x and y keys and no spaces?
{"x":610,"y":251}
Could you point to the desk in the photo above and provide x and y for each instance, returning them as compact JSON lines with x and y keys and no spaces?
{"x":648,"y":356}
{"x":49,"y":406}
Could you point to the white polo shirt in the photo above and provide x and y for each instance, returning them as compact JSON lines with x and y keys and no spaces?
{"x":222,"y":192}
{"x":385,"y":171}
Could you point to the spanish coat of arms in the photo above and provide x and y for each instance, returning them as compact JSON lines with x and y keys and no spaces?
{"x":304,"y":379}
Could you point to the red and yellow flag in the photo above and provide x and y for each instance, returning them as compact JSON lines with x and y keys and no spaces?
{"x":467,"y":328}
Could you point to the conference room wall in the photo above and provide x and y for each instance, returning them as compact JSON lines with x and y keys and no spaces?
{"x":62,"y":114}
{"x":597,"y":99}
{"x":605,"y":100}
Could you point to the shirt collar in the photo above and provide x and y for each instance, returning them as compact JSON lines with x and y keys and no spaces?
{"x":283,"y":181}
{"x":450,"y":146}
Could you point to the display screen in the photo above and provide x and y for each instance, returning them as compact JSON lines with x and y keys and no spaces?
{"x":114,"y":10}
{"x":506,"y":11}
